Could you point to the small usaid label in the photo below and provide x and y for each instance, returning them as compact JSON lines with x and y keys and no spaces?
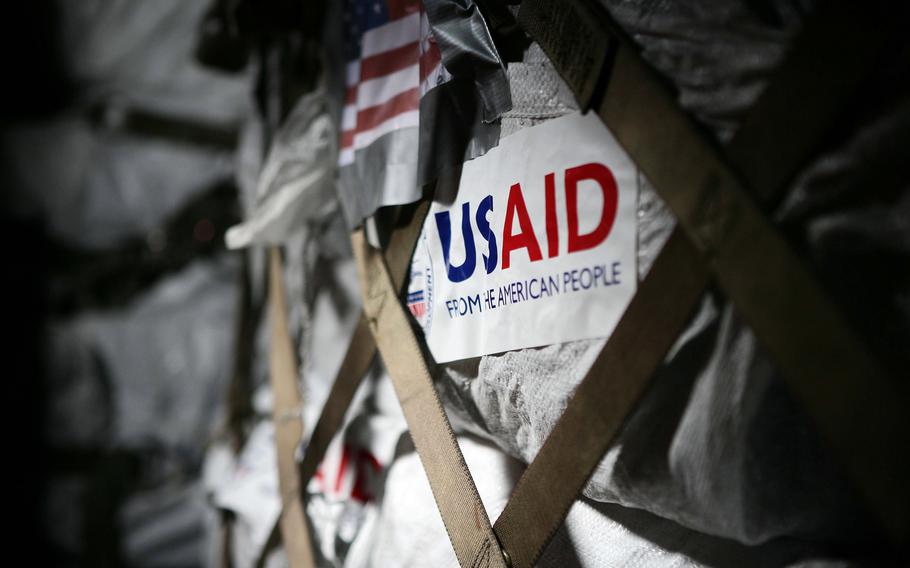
{"x":537,"y":248}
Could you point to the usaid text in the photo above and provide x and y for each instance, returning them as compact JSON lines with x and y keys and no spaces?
{"x":518,"y":232}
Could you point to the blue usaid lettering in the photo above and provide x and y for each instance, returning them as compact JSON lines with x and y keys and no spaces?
{"x":525,"y":237}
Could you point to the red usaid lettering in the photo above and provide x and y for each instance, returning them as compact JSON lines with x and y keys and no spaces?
{"x":526,"y":237}
{"x":604,"y":178}
{"x":549,"y":185}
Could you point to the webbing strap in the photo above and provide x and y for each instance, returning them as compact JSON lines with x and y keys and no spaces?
{"x":614,"y":383}
{"x":453,"y":488}
{"x":651,"y":322}
{"x":354,"y":366}
{"x":362,"y":348}
{"x":287,"y":414}
{"x":356,"y":362}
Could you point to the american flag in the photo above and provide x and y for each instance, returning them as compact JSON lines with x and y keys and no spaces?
{"x":391,"y":60}
{"x":417,"y":304}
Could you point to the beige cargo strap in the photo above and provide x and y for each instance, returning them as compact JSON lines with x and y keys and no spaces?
{"x":287,"y":414}
{"x":850,"y":399}
{"x":354,"y":367}
{"x":362,"y":347}
{"x":357,"y":358}
{"x":462,"y":511}
{"x":601,"y":403}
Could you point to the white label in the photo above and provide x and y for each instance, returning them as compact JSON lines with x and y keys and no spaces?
{"x":537,"y":248}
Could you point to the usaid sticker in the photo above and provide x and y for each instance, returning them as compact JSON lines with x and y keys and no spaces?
{"x":537,"y":248}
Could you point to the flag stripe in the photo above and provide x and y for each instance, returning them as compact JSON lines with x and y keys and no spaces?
{"x":379,"y":91}
{"x":347,"y":138}
{"x":352,"y":73}
{"x":391,"y":35}
{"x":401,"y":8}
{"x":397,"y":122}
{"x":346,"y":156}
{"x":371,"y":117}
{"x":390,"y":61}
{"x":350,"y":95}
{"x":429,"y":61}
{"x":349,"y":117}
